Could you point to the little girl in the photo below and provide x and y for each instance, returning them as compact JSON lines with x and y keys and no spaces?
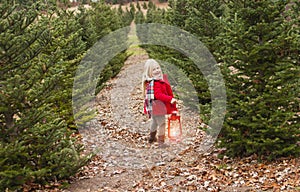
{"x":159,"y":99}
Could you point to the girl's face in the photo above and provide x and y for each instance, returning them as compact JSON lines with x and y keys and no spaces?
{"x":156,"y":72}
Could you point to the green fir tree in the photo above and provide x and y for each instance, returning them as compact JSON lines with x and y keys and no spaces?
{"x":37,"y":58}
{"x":260,"y":54}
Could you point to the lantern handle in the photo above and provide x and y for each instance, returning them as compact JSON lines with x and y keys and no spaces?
{"x":175,"y":113}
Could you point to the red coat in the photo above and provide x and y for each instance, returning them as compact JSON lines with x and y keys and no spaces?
{"x":162,"y":98}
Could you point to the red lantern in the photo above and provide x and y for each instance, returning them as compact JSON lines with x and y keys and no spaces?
{"x":174,"y":126}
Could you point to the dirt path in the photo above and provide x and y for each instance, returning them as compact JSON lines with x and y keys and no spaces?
{"x":120,"y":136}
{"x":120,"y":132}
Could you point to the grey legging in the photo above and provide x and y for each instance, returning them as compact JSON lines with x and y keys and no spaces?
{"x":158,"y":121}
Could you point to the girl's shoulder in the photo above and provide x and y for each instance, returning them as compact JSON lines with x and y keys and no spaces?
{"x":161,"y":83}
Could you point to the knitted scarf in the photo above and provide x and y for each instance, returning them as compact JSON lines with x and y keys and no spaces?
{"x":149,"y":97}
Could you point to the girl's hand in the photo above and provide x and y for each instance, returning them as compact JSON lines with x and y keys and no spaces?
{"x":173,"y":101}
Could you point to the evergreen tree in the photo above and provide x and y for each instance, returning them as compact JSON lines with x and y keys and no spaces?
{"x":260,"y":52}
{"x":89,"y":33}
{"x":178,"y":13}
{"x":132,"y":9}
{"x":105,"y":20}
{"x":200,"y":20}
{"x":138,"y":6}
{"x":139,"y":17}
{"x":37,"y":56}
{"x":154,"y":14}
{"x":145,"y":5}
{"x":68,"y":46}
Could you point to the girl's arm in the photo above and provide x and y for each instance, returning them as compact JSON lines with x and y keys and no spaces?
{"x":159,"y":95}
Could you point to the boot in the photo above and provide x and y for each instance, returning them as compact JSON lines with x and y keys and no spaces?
{"x":161,"y":141}
{"x":152,"y":137}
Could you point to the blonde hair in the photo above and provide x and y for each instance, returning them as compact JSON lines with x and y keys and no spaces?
{"x":147,"y":74}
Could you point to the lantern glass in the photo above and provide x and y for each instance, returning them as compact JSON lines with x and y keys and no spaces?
{"x":174,"y":127}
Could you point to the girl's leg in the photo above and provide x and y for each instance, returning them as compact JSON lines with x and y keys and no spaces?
{"x":154,"y":124}
{"x":161,"y":121}
{"x":153,"y":130}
